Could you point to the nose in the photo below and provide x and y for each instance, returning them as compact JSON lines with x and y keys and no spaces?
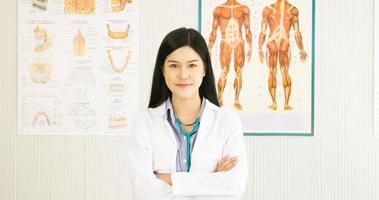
{"x":183,"y":74}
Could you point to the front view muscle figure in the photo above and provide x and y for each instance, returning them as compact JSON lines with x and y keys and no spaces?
{"x":230,"y":17}
{"x":280,"y":17}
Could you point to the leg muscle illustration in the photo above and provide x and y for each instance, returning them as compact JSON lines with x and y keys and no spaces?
{"x":230,"y":17}
{"x":280,"y":17}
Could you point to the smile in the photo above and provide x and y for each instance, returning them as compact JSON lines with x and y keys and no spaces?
{"x":183,"y":85}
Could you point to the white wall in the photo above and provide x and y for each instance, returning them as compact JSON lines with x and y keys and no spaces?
{"x":341,"y":162}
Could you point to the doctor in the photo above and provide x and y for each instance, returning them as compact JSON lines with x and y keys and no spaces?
{"x":184,"y":146}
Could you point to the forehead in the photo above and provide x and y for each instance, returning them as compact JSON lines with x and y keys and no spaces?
{"x":183,"y":54}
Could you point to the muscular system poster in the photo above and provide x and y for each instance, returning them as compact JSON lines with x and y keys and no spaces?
{"x":263,"y":60}
{"x":77,"y":66}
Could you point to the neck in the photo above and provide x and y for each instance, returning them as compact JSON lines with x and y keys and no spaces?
{"x":186,"y":109}
{"x":231,"y":2}
{"x":280,"y":1}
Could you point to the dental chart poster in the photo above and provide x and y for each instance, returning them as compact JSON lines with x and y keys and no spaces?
{"x":262,"y":54}
{"x":376,"y":70}
{"x":77,"y":66}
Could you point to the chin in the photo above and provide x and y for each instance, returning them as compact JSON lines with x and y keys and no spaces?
{"x":185,"y":95}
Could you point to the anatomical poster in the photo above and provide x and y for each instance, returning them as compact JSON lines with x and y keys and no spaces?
{"x":262,"y":54}
{"x":77,"y":66}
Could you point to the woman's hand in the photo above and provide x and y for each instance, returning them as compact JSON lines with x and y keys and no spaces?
{"x":164,"y":177}
{"x":226,"y":164}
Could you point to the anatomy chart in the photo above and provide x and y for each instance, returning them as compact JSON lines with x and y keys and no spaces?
{"x":262,"y":57}
{"x":376,"y":70}
{"x":77,"y":66}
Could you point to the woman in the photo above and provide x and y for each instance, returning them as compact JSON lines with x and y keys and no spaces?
{"x":184,"y":146}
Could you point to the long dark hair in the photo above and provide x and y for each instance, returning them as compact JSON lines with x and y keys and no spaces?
{"x":175,"y":39}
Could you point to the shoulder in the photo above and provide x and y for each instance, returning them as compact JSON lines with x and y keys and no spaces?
{"x":143,"y":115}
{"x":245,"y":9}
{"x":294,"y":10}
{"x":221,"y":113}
{"x":141,"y":120}
{"x":227,"y":120}
{"x":228,"y":115}
{"x":217,"y":10}
{"x":146,"y":117}
{"x":228,"y":123}
{"x":267,"y":10}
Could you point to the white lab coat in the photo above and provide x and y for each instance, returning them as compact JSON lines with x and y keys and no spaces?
{"x":153,"y":147}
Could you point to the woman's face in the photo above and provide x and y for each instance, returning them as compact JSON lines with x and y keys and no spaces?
{"x":183,"y":71}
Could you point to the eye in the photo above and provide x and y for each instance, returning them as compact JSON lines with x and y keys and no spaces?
{"x":173,"y":66}
{"x":192,"y":65}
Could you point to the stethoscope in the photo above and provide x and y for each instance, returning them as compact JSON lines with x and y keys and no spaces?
{"x":188,"y":138}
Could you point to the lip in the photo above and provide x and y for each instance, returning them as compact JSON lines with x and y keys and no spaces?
{"x":183,"y":85}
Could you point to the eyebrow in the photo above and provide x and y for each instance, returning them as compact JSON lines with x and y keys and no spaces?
{"x":195,"y":60}
{"x":172,"y":61}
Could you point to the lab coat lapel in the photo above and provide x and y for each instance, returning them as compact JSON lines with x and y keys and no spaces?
{"x":161,"y":111}
{"x":206,"y":124}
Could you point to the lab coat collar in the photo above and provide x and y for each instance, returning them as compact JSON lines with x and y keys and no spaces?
{"x":162,"y":109}
{"x":206,"y":123}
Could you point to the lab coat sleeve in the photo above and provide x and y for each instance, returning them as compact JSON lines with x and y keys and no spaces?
{"x":145,"y":184}
{"x":231,"y":183}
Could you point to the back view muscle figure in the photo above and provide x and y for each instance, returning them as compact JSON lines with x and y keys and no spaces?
{"x":280,"y":17}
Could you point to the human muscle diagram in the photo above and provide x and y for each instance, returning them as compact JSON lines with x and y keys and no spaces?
{"x":230,"y":17}
{"x":261,"y":52}
{"x":78,"y":68}
{"x":280,"y":17}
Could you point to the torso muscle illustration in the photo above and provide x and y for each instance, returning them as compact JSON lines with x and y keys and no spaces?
{"x":230,"y":17}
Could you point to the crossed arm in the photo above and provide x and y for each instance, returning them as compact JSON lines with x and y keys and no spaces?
{"x":228,"y":179}
{"x":226,"y":164}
